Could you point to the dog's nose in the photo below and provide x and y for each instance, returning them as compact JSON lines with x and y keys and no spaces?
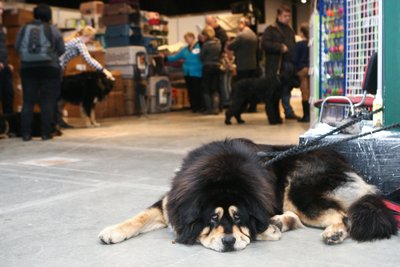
{"x":228,"y":240}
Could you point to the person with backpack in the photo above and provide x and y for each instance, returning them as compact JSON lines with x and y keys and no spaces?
{"x":39,"y":45}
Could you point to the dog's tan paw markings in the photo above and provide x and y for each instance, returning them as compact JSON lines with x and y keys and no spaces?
{"x":276,"y":222}
{"x":332,"y":238}
{"x":271,"y":234}
{"x":111,"y":236}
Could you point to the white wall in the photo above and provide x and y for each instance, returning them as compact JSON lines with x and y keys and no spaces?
{"x":179,"y":25}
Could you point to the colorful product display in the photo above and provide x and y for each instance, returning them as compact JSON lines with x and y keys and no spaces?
{"x":332,"y":44}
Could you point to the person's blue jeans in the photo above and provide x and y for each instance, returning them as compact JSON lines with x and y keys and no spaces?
{"x":285,"y":97}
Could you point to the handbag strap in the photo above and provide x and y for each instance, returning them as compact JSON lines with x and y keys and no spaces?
{"x":278,"y":71}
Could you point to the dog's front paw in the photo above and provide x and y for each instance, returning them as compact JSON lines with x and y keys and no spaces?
{"x":271,"y":234}
{"x":96,"y":124}
{"x":334,"y":235}
{"x":112,"y":235}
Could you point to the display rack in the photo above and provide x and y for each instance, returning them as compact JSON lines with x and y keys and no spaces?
{"x":362,"y":40}
{"x":332,"y":47}
{"x":348,"y":37}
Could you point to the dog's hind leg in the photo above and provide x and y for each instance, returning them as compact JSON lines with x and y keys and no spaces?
{"x":333,"y":221}
{"x":93,"y":118}
{"x":148,"y":220}
{"x":88,"y":123}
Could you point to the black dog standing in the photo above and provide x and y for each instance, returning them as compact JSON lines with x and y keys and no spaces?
{"x":264,"y":89}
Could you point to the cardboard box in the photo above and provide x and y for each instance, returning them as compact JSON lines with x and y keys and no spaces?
{"x":96,"y":22}
{"x":120,"y":8}
{"x":133,"y":3}
{"x":78,"y":64}
{"x":92,"y":8}
{"x":17,"y":17}
{"x":132,"y":18}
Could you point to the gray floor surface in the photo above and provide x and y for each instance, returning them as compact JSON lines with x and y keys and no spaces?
{"x":56,"y":196}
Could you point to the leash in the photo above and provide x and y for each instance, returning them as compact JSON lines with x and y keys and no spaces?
{"x":289,"y":153}
{"x":357,"y":119}
{"x":312,"y":145}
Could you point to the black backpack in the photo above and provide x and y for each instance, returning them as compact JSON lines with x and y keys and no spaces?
{"x":37,"y":43}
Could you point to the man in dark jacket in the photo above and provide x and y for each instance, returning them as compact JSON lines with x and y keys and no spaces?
{"x":245,"y":48}
{"x":40,"y":78}
{"x":278,"y":42}
{"x":220,"y":33}
{"x":6,"y":88}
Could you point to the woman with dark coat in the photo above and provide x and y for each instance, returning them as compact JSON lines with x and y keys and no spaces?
{"x":210,"y":56}
{"x":302,"y":66}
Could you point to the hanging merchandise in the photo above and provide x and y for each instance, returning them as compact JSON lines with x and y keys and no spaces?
{"x":332,"y":47}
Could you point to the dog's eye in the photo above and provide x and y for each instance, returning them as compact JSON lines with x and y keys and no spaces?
{"x":214,"y":219}
{"x":236,"y":218}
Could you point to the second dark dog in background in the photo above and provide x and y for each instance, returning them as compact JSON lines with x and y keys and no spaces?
{"x":85,"y":89}
{"x":264,"y":89}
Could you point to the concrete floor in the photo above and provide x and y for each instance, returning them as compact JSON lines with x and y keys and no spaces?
{"x":56,"y":196}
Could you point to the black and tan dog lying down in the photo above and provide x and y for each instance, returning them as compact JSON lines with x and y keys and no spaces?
{"x":85,"y":89}
{"x":224,"y":197}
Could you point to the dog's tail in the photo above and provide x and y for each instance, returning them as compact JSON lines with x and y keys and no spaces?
{"x":370,"y":219}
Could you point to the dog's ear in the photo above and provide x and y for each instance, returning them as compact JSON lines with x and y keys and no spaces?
{"x":186,"y":219}
{"x":191,"y":225}
{"x":259,"y":217}
{"x":190,"y":233}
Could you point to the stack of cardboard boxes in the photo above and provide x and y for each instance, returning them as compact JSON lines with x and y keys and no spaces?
{"x":13,"y":20}
{"x":124,"y":52}
{"x":131,"y":61}
{"x":92,"y":13}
